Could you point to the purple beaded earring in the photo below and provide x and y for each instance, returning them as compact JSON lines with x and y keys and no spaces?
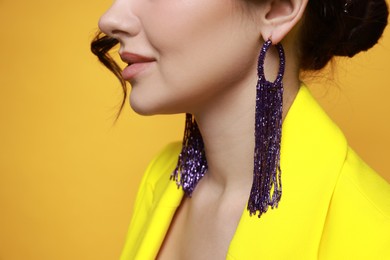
{"x":268,"y":132}
{"x":192,"y":163}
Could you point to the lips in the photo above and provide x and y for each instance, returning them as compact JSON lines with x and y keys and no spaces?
{"x":137,"y":64}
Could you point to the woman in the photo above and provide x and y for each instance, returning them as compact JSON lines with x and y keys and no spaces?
{"x":201,"y":57}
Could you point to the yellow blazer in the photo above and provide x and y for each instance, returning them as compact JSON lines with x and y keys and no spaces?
{"x":333,"y":205}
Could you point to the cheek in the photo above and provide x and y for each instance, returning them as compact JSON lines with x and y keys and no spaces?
{"x":180,"y":86}
{"x":173,"y":26}
{"x":202,"y":48}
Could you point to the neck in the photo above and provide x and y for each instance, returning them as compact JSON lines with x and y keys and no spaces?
{"x":227,"y":127}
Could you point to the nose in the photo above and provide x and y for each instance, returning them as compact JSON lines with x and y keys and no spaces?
{"x":119,"y":21}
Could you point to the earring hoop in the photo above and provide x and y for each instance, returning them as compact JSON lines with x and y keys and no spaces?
{"x":266,"y":188}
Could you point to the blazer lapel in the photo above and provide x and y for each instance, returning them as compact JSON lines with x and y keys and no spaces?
{"x":163,"y":210}
{"x":312,"y":154}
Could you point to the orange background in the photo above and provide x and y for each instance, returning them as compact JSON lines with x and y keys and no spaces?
{"x":68,"y":176}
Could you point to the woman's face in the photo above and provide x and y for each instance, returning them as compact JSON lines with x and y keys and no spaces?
{"x":185,"y":53}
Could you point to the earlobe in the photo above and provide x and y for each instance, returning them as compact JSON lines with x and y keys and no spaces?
{"x":280,"y":18}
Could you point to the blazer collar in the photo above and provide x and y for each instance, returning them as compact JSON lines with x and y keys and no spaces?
{"x":313,"y":150}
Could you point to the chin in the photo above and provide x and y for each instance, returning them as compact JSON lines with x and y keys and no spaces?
{"x":147,"y":107}
{"x":144,"y":102}
{"x":148,"y":104}
{"x":142,"y":108}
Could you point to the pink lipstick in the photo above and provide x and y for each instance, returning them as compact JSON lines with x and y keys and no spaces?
{"x":137,"y":64}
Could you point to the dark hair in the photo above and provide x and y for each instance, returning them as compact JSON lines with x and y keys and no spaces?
{"x":329,"y":28}
{"x":339,"y":28}
{"x":100,"y":46}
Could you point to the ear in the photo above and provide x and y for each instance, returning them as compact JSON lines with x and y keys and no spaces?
{"x":280,"y":17}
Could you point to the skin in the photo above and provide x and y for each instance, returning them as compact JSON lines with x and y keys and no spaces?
{"x":206,"y":56}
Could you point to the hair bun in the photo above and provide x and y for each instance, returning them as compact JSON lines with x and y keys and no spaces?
{"x":364,"y":23}
{"x":339,"y":28}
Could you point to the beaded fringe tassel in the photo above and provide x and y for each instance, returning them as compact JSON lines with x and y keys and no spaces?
{"x":192,"y":163}
{"x":266,"y":187}
{"x":268,"y":132}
